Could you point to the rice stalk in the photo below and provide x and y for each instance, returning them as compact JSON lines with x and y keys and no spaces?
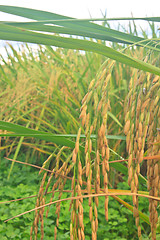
{"x":94,"y":119}
{"x":140,"y":123}
{"x":153,"y":149}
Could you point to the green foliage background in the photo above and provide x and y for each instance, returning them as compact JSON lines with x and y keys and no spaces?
{"x":24,"y":182}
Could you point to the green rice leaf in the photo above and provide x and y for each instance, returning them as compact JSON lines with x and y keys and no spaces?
{"x":16,"y":34}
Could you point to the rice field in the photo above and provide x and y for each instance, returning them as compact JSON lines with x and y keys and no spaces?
{"x":88,"y":122}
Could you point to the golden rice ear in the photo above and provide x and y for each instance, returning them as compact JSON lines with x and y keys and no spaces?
{"x":144,"y":123}
{"x":94,"y":122}
{"x":127,"y":127}
{"x":153,"y":167}
{"x":134,"y":130}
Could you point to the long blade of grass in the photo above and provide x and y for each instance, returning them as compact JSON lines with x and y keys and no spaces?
{"x":40,"y":15}
{"x":70,"y":25}
{"x":15,"y":34}
{"x":37,"y":134}
{"x":57,"y":139}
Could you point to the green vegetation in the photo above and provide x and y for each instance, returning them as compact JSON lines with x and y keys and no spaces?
{"x":24,"y":183}
{"x":80,"y":117}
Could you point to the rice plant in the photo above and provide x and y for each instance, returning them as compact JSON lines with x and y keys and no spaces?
{"x":81,"y":112}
